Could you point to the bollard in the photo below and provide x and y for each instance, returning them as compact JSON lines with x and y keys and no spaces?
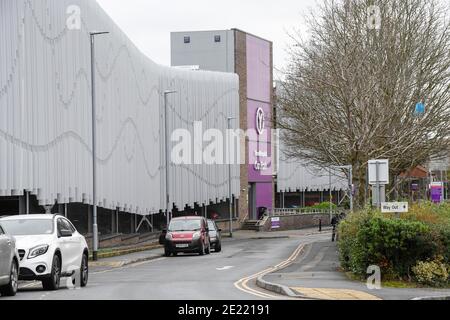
{"x":320,"y":225}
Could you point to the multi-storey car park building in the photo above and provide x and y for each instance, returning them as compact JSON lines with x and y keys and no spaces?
{"x":268,"y":180}
{"x":46,"y":120}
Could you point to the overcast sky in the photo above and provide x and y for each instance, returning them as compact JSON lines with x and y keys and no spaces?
{"x":148,"y":23}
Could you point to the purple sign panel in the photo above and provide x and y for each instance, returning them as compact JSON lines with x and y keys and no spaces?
{"x":259,"y":115}
{"x":275,"y":222}
{"x":259,"y":145}
{"x":436,"y":192}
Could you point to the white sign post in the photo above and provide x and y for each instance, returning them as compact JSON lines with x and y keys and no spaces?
{"x":378,"y":176}
{"x":394,"y":207}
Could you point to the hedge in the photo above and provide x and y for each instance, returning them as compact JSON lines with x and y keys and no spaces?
{"x":396,"y":244}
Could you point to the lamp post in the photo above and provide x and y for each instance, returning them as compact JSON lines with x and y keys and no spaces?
{"x":229,"y":177}
{"x":166,"y":139}
{"x":331,"y":196}
{"x":94,"y":149}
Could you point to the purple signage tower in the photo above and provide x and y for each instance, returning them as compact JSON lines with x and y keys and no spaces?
{"x":259,"y":115}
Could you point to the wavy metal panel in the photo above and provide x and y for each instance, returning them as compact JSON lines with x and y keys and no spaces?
{"x":45,"y":113}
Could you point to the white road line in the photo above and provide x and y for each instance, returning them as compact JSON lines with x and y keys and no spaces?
{"x":225,"y":268}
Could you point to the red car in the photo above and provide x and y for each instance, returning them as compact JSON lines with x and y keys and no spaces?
{"x":187,"y":235}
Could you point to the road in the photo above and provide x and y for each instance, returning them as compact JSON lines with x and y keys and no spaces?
{"x":218,"y":276}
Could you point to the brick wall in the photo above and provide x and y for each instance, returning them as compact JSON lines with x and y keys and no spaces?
{"x":241,"y":70}
{"x":295,"y":222}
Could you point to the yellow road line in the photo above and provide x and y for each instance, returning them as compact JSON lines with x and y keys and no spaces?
{"x":242,"y":284}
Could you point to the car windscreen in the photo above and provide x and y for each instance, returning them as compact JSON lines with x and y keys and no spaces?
{"x":185,"y":225}
{"x":28,"y":227}
{"x":211,"y":226}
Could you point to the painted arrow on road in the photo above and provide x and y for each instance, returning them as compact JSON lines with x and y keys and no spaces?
{"x":224,"y":268}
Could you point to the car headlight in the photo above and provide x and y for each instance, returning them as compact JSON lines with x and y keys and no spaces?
{"x":37,"y":251}
{"x":196,"y":235}
{"x":168,"y":236}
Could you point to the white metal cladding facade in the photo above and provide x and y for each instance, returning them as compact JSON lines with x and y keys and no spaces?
{"x":294,"y":175}
{"x":45,"y":113}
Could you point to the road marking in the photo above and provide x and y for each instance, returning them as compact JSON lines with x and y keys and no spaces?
{"x":242,"y":284}
{"x":335,"y":294}
{"x":224,"y":268}
{"x":129,"y":266}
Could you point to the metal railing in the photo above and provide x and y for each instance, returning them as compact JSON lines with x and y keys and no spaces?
{"x":299,"y":211}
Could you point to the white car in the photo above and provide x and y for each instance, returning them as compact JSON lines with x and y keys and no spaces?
{"x":9,"y":265}
{"x":49,"y":248}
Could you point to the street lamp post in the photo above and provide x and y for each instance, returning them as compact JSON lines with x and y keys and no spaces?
{"x":331,"y":197}
{"x":94,"y":149}
{"x":229,"y":176}
{"x":166,"y":139}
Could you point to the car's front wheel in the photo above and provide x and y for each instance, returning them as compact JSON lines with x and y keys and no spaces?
{"x":84,"y":271}
{"x":11,"y":288}
{"x":52,"y":282}
{"x":218,"y":247}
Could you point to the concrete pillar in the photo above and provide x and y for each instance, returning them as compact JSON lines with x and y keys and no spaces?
{"x":61,"y":209}
{"x":151,"y":221}
{"x":89,"y":219}
{"x":22,"y":205}
{"x":113,"y":221}
{"x":132,"y":223}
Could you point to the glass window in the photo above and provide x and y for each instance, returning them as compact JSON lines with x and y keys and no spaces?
{"x":217,"y":38}
{"x":187,"y":39}
{"x":28,"y":227}
{"x":211,"y":225}
{"x":185,"y":225}
{"x":60,"y":226}
{"x":71,"y":227}
{"x":63,"y":225}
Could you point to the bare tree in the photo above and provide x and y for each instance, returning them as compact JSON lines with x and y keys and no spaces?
{"x":351,"y":89}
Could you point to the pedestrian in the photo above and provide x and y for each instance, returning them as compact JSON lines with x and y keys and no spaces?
{"x":334,"y":222}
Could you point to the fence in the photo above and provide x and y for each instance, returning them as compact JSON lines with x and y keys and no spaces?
{"x":299,"y":211}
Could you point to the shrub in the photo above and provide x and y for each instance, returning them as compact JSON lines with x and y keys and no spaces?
{"x":395,"y":244}
{"x":432,"y":273}
{"x":392,"y":244}
{"x":324,"y":206}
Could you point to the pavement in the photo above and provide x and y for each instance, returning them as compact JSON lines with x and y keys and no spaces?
{"x":226,"y":275}
{"x":315,"y":275}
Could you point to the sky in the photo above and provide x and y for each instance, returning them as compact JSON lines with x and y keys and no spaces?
{"x":148,"y":23}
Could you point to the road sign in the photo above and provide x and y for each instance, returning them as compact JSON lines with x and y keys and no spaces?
{"x":379,"y":172}
{"x":436,"y":192}
{"x":420,"y":108}
{"x":275,"y":222}
{"x":394,"y":207}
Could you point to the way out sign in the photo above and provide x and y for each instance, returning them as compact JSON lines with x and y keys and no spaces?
{"x":394,"y":207}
